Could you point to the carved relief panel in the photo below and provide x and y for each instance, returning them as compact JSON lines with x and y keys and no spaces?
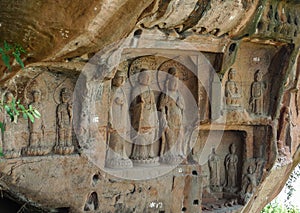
{"x":247,"y":86}
{"x":139,"y":73}
{"x":51,"y":95}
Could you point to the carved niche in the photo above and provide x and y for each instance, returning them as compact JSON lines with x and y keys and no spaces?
{"x":157,"y":112}
{"x":51,"y":94}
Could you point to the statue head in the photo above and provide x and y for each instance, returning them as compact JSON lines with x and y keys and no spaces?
{"x":65,"y":95}
{"x":173,"y":71}
{"x":36,"y":95}
{"x":257,"y":75}
{"x":213,"y":150}
{"x":144,"y":77}
{"x":232,"y":148}
{"x":250,"y":169}
{"x":8,"y":97}
{"x":119,"y":78}
{"x":172,"y":79}
{"x":231,"y":74}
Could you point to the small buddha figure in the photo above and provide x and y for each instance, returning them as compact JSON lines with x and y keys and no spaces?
{"x":232,"y":93}
{"x":231,"y":161}
{"x":64,"y":115}
{"x":249,"y":184}
{"x":171,"y":104}
{"x":257,"y":94}
{"x":144,"y":120}
{"x":36,"y":128}
{"x":116,"y":156}
{"x":8,"y":137}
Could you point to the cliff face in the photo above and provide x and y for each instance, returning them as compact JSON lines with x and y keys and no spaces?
{"x":217,"y":123}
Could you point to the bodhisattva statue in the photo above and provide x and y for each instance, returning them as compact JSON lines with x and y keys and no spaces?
{"x":249,"y":185}
{"x":257,"y":94}
{"x":64,"y":117}
{"x":232,"y":93}
{"x":214,"y":170}
{"x":118,"y":122}
{"x":8,"y":138}
{"x":36,"y":129}
{"x":171,"y":105}
{"x":231,"y":161}
{"x":144,"y":120}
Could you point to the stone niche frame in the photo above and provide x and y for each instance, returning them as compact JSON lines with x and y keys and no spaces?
{"x":252,"y":143}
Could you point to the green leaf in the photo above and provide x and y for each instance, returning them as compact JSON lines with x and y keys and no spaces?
{"x":6,"y":59}
{"x":2,"y":127}
{"x":36,"y":113}
{"x":11,"y":117}
{"x":30,"y":116}
{"x":7,"y":109}
{"x":22,"y":107}
{"x":7,"y":46}
{"x":25,"y":115}
{"x":18,"y":59}
{"x":16,"y":112}
{"x":19,"y":48}
{"x":30,"y":108}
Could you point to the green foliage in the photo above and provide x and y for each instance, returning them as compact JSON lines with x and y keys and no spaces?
{"x":14,"y":109}
{"x":278,"y":208}
{"x":7,"y":51}
{"x":289,"y":184}
{"x":289,"y":189}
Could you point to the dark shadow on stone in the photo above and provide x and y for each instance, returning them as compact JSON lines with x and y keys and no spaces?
{"x":92,"y":202}
{"x":8,"y":206}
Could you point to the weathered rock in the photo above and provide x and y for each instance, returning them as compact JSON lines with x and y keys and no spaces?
{"x":210,"y":91}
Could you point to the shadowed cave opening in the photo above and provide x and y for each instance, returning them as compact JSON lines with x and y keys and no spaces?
{"x":8,"y":205}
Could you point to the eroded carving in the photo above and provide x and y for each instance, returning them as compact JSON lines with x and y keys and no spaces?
{"x":64,"y":116}
{"x":232,"y":92}
{"x":118,"y":122}
{"x":144,"y":120}
{"x":171,"y":104}
{"x":8,"y":138}
{"x":249,"y":184}
{"x":214,"y":171}
{"x":283,"y":149}
{"x":257,"y":94}
{"x":231,"y":161}
{"x":36,"y":129}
